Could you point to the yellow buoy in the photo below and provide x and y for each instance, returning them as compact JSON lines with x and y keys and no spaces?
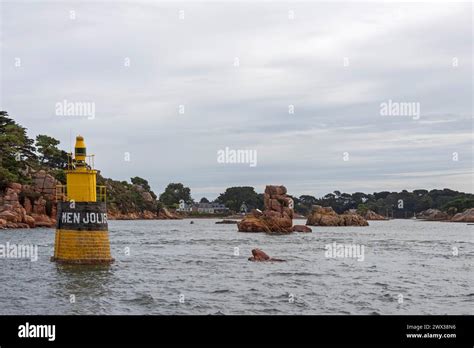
{"x":82,"y":235}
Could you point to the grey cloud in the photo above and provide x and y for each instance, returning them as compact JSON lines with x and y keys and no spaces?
{"x":401,"y":52}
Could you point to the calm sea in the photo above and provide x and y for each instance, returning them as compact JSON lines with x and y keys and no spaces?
{"x":174,"y":267}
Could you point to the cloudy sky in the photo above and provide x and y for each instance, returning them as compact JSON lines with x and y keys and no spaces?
{"x":236,"y":69}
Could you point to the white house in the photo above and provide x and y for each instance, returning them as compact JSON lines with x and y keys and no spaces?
{"x":209,"y":208}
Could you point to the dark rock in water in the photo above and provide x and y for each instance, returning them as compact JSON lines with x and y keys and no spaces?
{"x":301,"y":228}
{"x":227,"y":222}
{"x":191,"y":222}
{"x":259,"y":255}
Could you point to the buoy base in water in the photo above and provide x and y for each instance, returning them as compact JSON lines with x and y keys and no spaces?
{"x":83,"y":262}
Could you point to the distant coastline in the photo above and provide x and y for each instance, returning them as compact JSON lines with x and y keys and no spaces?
{"x":30,"y":170}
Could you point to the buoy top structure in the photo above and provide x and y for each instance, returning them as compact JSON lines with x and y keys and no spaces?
{"x":82,"y":235}
{"x":81,"y":178}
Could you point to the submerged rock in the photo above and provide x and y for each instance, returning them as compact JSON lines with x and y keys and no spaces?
{"x":259,"y":255}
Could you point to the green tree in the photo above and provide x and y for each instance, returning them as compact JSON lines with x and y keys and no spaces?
{"x":17,"y":150}
{"x":143,"y":185}
{"x":128,"y":198}
{"x":204,"y":200}
{"x":362,"y":209}
{"x":49,"y":154}
{"x":174,"y":192}
{"x":233,"y":197}
{"x":141,"y":182}
{"x":420,"y":192}
{"x":461,"y":203}
{"x":307,"y":200}
{"x":304,"y":204}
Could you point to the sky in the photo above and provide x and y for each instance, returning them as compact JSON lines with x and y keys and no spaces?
{"x":299,"y":85}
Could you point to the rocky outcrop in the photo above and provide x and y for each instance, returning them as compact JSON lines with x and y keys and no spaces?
{"x":326,"y":216}
{"x":30,"y":221}
{"x":45,"y":184}
{"x":368,"y":215}
{"x":371,"y":215}
{"x":259,"y":256}
{"x":34,"y":205}
{"x":433,"y":215}
{"x":147,"y":196}
{"x":257,"y":222}
{"x":149,"y":213}
{"x":42,"y":220}
{"x":465,"y":216}
{"x":165,"y":214}
{"x":277,"y":216}
{"x":301,"y":228}
{"x":253,"y":222}
{"x":25,"y":206}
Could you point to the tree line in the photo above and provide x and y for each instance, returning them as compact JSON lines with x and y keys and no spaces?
{"x":402,"y":204}
{"x":19,"y":153}
{"x":20,"y":156}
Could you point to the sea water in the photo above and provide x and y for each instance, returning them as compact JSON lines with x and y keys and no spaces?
{"x":174,"y":267}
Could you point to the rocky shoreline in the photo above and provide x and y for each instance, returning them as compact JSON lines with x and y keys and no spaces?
{"x":438,"y":215}
{"x":29,"y":206}
{"x":163,"y":214}
{"x":34,"y":205}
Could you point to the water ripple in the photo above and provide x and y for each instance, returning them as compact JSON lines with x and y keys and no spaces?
{"x":178,"y":268}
